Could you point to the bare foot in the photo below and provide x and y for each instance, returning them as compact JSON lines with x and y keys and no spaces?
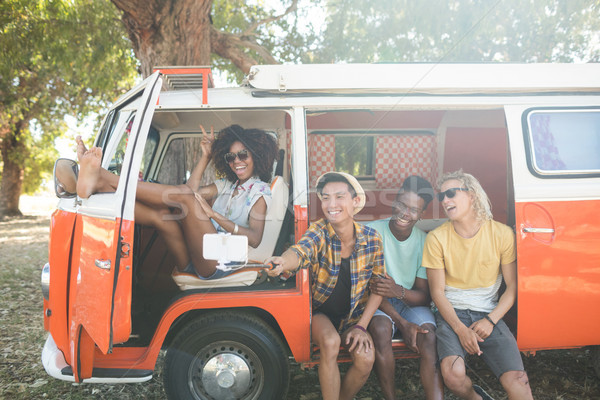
{"x":89,"y":172}
{"x":81,"y":149}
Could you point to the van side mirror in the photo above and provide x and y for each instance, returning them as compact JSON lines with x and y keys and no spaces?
{"x":66,"y":172}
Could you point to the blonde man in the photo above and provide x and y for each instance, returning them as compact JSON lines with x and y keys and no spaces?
{"x":466,"y":259}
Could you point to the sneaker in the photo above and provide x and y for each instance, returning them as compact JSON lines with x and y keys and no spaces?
{"x":479,"y":390}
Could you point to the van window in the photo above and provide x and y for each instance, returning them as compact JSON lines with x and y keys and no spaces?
{"x":149,"y":150}
{"x":355,"y":154}
{"x":180,"y":158}
{"x":564,"y":142}
{"x":116,"y":161}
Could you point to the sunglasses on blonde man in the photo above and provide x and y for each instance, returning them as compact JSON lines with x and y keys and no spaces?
{"x":450,"y":193}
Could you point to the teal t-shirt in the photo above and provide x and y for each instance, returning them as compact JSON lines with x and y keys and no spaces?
{"x":402,"y":259}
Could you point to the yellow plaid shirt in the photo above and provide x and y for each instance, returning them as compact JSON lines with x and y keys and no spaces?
{"x":321,"y":249}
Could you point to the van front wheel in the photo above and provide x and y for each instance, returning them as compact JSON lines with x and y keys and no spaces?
{"x":227,"y":355}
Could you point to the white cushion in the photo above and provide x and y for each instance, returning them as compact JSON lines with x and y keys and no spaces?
{"x":239,"y":278}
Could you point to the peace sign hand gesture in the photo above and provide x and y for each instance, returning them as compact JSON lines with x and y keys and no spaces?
{"x":206,"y":142}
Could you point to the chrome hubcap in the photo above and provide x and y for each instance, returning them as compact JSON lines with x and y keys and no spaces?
{"x":226,"y":370}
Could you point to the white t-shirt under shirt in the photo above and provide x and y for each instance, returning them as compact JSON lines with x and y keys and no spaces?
{"x":402,"y":259}
{"x":237,"y":208}
{"x":472,"y":266}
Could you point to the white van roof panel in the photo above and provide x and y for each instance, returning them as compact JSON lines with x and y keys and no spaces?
{"x":427,"y":78}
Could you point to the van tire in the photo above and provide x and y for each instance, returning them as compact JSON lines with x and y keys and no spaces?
{"x":194,"y":367}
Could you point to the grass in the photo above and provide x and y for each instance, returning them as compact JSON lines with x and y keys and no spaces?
{"x":557,"y":374}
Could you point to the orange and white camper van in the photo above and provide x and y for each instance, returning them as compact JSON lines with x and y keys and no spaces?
{"x":530,"y":133}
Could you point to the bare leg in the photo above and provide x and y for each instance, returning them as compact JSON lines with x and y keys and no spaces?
{"x":516,"y":385}
{"x":431,"y":377}
{"x":357,"y":375}
{"x":456,"y":379}
{"x":328,"y":339}
{"x":169,"y":229}
{"x":195,"y":224}
{"x":380,"y":329}
{"x":152,"y":194}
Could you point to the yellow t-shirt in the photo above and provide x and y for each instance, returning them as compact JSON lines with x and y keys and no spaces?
{"x":470,"y":263}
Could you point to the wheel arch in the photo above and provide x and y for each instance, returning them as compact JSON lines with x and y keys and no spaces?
{"x":188,"y":316}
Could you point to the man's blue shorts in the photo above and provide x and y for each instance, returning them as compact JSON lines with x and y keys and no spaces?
{"x":417,"y":315}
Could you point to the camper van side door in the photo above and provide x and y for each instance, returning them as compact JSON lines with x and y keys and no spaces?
{"x":103,"y":243}
{"x":556,"y":170}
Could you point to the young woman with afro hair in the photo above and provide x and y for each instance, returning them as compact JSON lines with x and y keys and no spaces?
{"x":182,"y":214}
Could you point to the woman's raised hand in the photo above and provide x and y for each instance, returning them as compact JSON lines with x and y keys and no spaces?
{"x":206,"y":142}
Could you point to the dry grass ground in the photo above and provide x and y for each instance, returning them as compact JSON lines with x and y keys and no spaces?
{"x":564,"y":374}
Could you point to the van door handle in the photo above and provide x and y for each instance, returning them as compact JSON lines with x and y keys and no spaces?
{"x":104,"y":264}
{"x":538,"y":230}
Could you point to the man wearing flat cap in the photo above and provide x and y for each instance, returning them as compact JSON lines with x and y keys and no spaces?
{"x":342,"y":256}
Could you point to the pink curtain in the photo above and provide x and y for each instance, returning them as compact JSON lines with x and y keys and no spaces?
{"x":400,"y":156}
{"x":321,"y":156}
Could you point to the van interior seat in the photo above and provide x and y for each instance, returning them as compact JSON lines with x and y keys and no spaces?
{"x":246,"y":277}
{"x":273,"y":221}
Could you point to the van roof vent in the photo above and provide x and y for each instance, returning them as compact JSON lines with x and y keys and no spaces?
{"x":187,"y":78}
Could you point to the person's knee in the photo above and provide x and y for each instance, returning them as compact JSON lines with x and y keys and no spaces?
{"x":330,"y":344}
{"x":453,"y":372}
{"x":515,"y":379}
{"x":381,"y":332}
{"x":428,"y":342}
{"x":364,"y":360}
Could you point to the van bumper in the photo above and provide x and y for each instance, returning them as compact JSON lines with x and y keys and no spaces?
{"x":56,"y":366}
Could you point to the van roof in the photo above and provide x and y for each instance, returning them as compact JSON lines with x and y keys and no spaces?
{"x":426,"y":78}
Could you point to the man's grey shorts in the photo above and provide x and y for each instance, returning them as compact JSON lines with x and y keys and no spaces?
{"x":499,"y":350}
{"x":417,"y":315}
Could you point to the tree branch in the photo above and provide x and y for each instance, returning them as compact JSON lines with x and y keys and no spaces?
{"x":252,"y":28}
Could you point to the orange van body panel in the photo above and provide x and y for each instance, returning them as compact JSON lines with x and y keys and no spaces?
{"x":301,"y":221}
{"x":121,"y":320}
{"x":290,"y":308}
{"x":92,"y":289}
{"x":559,"y":274}
{"x":59,"y":251}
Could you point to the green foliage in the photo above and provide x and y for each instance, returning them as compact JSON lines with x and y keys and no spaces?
{"x":284,"y":39}
{"x":59,"y":57}
{"x":461,"y":31}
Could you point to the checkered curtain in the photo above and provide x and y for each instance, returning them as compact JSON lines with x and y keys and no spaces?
{"x":321,"y":156}
{"x":400,"y":156}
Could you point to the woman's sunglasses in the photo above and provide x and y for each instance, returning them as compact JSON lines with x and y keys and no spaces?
{"x":242,"y":155}
{"x":450,"y":193}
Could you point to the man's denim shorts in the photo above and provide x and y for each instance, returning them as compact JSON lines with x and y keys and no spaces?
{"x":499,"y":350}
{"x":417,"y":315}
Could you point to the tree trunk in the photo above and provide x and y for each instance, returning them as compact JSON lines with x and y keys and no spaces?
{"x":171,"y":32}
{"x":13,"y":151}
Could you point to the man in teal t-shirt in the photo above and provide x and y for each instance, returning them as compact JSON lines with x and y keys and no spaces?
{"x":406,"y":304}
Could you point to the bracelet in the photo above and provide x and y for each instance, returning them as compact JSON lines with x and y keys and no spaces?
{"x":489,"y":319}
{"x":235,"y":229}
{"x":403,"y":293}
{"x":360,"y":328}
